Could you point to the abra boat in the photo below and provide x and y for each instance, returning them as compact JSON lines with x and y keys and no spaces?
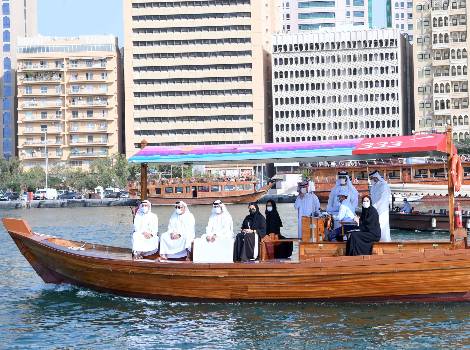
{"x":407,"y":270}
{"x":201,"y":192}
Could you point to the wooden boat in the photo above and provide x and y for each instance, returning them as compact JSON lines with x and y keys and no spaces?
{"x":202,"y":192}
{"x":409,"y":270}
{"x":442,"y":269}
{"x":423,"y":221}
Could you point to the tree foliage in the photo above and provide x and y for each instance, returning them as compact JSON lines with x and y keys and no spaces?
{"x":112,"y":171}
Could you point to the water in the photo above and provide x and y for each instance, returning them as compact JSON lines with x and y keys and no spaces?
{"x":39,"y":316}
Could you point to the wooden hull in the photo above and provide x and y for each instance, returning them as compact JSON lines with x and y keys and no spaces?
{"x":237,"y":199}
{"x":421,"y":221}
{"x":436,"y":274}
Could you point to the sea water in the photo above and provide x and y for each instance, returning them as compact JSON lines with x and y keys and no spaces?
{"x":34,"y":315}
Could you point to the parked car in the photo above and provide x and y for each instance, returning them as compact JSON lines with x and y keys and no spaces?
{"x":70,"y":195}
{"x":45,"y":193}
{"x":9,"y":196}
{"x":123,"y":194}
{"x":111,"y":194}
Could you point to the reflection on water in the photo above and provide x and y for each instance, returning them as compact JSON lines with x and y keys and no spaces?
{"x":36,"y":315}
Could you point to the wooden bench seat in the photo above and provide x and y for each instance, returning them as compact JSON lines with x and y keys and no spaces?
{"x":311,"y":250}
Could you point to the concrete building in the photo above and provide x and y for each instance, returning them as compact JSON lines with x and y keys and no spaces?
{"x":18,"y":20}
{"x":302,"y":15}
{"x":402,"y":17}
{"x":68,"y":100}
{"x":441,"y":66}
{"x":330,"y":85}
{"x":197,"y":72}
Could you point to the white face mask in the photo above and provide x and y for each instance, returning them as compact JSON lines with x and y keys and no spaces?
{"x":303,"y":190}
{"x":366,"y":204}
{"x":217,"y":210}
{"x":342,"y":181}
{"x":145,"y":210}
{"x":269,"y":208}
{"x":179,"y":211}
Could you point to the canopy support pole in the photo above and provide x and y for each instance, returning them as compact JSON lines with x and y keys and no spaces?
{"x":450,"y":185}
{"x":143,"y":174}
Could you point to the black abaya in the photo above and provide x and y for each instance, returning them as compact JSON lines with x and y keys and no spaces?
{"x":360,"y":242}
{"x":273,"y":225}
{"x":243,"y":249}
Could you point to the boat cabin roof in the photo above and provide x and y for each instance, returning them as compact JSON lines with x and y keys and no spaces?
{"x":350,"y":149}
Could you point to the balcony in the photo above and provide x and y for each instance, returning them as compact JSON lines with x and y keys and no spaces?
{"x":41,"y":78}
{"x":85,"y":154}
{"x":39,"y":143}
{"x":40,"y":67}
{"x":86,"y":130}
{"x":82,"y":66}
{"x":41,"y":104}
{"x":39,"y":155}
{"x":37,"y":131}
{"x":81,"y":104}
{"x":88,"y":143}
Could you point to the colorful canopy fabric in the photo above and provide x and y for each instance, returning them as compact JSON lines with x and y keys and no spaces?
{"x":367,"y":148}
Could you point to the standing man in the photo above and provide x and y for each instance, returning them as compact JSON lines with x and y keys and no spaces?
{"x":380,"y":195}
{"x":306,"y":204}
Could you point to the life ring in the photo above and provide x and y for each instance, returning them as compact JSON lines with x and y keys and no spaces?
{"x":456,"y":171}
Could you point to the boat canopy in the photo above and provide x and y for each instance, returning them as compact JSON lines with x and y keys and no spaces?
{"x":351,"y":149}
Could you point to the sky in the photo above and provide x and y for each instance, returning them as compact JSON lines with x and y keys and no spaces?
{"x":80,"y":17}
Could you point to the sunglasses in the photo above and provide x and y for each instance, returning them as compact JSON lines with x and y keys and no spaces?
{"x":178,"y":207}
{"x":216,"y":205}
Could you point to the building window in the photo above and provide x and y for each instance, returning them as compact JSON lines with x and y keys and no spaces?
{"x":43,"y":89}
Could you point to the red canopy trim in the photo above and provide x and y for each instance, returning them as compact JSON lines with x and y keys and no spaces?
{"x":403,"y":144}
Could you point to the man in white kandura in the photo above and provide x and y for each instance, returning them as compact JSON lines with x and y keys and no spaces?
{"x":176,"y":242}
{"x":306,"y":204}
{"x":343,"y":183}
{"x":145,"y":238}
{"x":380,"y":194}
{"x":216,"y":245}
{"x":220,"y":223}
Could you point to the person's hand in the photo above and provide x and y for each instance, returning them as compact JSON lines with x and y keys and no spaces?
{"x":147,"y":235}
{"x":356,"y":219}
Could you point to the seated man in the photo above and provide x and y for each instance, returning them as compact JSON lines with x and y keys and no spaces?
{"x":345,"y":220}
{"x":176,"y":242}
{"x":220,"y":223}
{"x":216,"y":245}
{"x":253,"y":229}
{"x":145,"y":238}
{"x":407,"y":209}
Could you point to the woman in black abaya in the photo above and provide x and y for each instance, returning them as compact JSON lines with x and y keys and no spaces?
{"x":254,"y":224}
{"x":360,"y":242}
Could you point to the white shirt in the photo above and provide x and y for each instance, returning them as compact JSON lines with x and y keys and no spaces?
{"x":345,"y":214}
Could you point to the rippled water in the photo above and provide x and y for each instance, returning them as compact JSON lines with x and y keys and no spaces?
{"x":40,"y":316}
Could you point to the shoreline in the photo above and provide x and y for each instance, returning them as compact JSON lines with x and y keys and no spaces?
{"x":69,"y":203}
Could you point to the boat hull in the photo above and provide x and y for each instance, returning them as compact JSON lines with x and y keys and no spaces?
{"x":428,"y":275}
{"x":421,"y":221}
{"x":238,"y":199}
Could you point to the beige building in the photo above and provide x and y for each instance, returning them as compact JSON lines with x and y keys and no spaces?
{"x":197,"y":72}
{"x":441,"y":46}
{"x":18,"y":20}
{"x":68,"y":100}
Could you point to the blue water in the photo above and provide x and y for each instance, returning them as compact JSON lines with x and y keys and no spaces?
{"x":39,"y":316}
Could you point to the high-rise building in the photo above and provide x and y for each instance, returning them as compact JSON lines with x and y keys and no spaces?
{"x":331,"y":85}
{"x":441,"y":66}
{"x":18,"y":20}
{"x":68,"y":100}
{"x":402,"y":17}
{"x":197,"y":72}
{"x":301,"y":15}
{"x":380,"y":14}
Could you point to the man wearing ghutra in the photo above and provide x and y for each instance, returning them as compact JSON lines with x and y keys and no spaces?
{"x":380,"y":194}
{"x":306,"y":204}
{"x":343,"y":184}
{"x":220,"y":223}
{"x":176,"y":242}
{"x":145,"y":238}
